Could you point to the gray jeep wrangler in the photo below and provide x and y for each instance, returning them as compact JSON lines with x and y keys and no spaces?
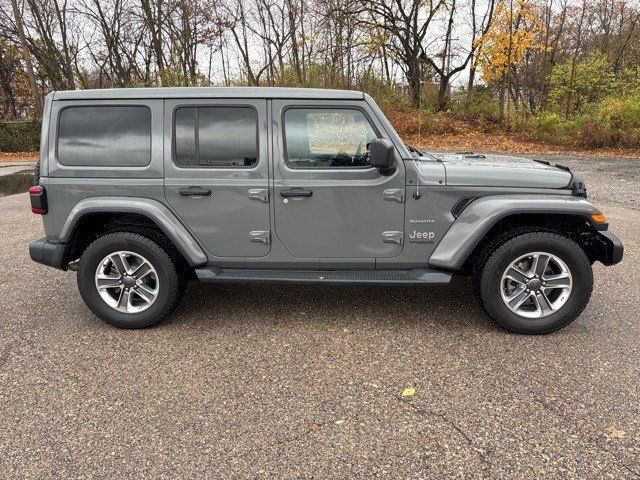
{"x":141,"y":190}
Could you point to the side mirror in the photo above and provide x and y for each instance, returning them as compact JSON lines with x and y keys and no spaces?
{"x":381,"y":154}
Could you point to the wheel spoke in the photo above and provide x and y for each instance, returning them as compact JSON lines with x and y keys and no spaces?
{"x":518,"y":298}
{"x":517,"y":275}
{"x":146,"y":293}
{"x":107,"y":281}
{"x":543,"y":304}
{"x":124,"y":301}
{"x":539,"y":264}
{"x":120,"y":263}
{"x":561,"y":280}
{"x":142,"y":271}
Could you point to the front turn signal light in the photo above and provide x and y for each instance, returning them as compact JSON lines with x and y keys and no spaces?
{"x":598,"y":218}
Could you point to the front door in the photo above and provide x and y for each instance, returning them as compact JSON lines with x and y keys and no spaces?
{"x":329,"y":202}
{"x":217,"y":173}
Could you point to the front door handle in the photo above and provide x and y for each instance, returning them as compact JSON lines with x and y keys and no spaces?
{"x":195,"y":192}
{"x":296,"y":192}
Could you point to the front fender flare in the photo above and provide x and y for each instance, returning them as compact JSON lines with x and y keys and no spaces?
{"x":154,"y":210}
{"x":481,"y":215}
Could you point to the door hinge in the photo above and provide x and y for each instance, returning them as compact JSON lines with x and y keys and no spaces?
{"x":260,"y":236}
{"x":261,"y":194}
{"x":396,"y":194}
{"x":393,"y":237}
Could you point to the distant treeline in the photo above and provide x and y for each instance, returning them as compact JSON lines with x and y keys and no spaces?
{"x":562,"y":69}
{"x":20,"y":136}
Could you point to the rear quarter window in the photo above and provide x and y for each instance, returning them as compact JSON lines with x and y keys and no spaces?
{"x":215,"y":137}
{"x":104,"y":136}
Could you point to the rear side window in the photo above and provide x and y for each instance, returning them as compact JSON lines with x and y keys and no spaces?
{"x":104,"y":136}
{"x":216,"y":137}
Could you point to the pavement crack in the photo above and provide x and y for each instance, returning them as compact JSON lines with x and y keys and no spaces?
{"x":457,"y":428}
{"x":6,"y":351}
{"x":562,"y":417}
{"x":23,"y":337}
{"x":294,"y":438}
{"x":288,"y":439}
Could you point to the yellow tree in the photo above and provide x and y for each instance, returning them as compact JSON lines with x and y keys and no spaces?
{"x":512,"y":35}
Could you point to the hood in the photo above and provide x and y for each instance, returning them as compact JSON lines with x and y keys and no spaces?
{"x":502,"y":171}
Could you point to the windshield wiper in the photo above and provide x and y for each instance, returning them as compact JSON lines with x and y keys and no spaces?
{"x":414,"y":150}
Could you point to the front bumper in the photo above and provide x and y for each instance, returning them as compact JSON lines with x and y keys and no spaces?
{"x":610,"y":248}
{"x":50,"y":254}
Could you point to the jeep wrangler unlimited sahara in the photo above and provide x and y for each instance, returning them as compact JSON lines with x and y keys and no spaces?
{"x":142,"y":190}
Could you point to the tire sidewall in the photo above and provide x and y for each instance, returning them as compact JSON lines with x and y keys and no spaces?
{"x":148,"y":249}
{"x":565,"y":249}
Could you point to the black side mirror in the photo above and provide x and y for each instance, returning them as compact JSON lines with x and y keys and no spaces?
{"x":382,"y":154}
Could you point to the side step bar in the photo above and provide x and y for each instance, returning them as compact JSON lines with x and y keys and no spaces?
{"x":382,"y":277}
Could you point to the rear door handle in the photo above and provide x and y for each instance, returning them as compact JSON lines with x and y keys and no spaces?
{"x":195,"y":192}
{"x":296,"y":192}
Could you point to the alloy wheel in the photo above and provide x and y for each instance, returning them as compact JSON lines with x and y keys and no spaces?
{"x":127,"y":282}
{"x":536,"y":285}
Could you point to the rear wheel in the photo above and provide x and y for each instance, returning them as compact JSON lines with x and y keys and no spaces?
{"x":534,"y":283}
{"x":128,"y":280}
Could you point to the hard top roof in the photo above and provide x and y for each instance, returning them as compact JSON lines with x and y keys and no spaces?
{"x":208,"y":92}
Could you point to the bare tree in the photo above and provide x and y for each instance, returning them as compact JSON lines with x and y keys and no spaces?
{"x":455,"y":56}
{"x":117,"y":52}
{"x":26,"y":55}
{"x":407,"y":23}
{"x":153,"y":17}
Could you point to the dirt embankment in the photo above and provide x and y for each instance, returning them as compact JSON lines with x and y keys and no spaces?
{"x":457,"y":136}
{"x":18,"y":157}
{"x":462,"y":136}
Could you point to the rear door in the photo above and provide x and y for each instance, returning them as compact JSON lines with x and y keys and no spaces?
{"x":329,"y":202}
{"x":217,"y":173}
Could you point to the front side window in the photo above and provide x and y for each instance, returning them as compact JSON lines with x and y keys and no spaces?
{"x":104,"y":136}
{"x":216,"y":137}
{"x":327,"y":138}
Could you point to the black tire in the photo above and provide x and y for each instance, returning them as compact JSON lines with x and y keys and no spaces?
{"x":182,"y":268}
{"x":492,"y":264}
{"x":170,"y":290}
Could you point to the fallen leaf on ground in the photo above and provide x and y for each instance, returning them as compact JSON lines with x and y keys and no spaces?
{"x":408,"y":392}
{"x":614,"y":434}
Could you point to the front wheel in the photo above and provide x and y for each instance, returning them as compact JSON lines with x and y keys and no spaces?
{"x":128,"y":280}
{"x":535,"y":283}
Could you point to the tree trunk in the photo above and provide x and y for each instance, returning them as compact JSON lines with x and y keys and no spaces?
{"x":413,"y":76}
{"x":574,"y":62}
{"x":37,"y":104}
{"x":443,"y":94}
{"x":501,"y":97}
{"x":472,"y":76}
{"x":155,"y":27}
{"x":61,"y":14}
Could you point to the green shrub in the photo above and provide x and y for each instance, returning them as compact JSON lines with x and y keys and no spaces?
{"x":593,"y":79}
{"x":611,"y":122}
{"x":381,"y":90}
{"x":615,"y":122}
{"x":20,"y":135}
{"x":554,"y":128}
{"x":477,"y":105}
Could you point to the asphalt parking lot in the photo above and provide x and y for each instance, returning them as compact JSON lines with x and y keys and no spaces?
{"x":306,"y":382}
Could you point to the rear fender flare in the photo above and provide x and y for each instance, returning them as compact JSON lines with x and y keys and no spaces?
{"x":152,"y":209}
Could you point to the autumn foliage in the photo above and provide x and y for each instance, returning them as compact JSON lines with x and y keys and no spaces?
{"x":561,"y":72}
